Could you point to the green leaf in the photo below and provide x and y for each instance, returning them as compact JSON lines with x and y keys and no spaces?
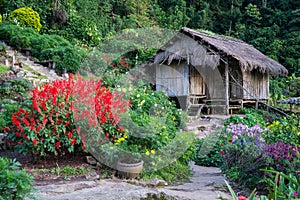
{"x":231,"y":191}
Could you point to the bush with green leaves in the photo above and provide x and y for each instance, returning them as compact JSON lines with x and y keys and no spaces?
{"x":7,"y":108}
{"x":14,"y":88}
{"x":27,"y":17}
{"x":286,"y":129}
{"x":8,"y":31}
{"x":251,"y":118}
{"x":14,"y":183}
{"x":45,"y":47}
{"x":209,"y":150}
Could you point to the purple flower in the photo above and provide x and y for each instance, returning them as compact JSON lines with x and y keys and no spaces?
{"x":295,"y":194}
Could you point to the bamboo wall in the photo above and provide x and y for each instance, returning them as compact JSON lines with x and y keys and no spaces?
{"x":197,"y":84}
{"x":256,"y":85}
{"x":173,"y":79}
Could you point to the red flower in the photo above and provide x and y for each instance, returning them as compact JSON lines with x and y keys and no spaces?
{"x":230,"y":140}
{"x":73,"y":141}
{"x":222,"y":152}
{"x":25,"y":137}
{"x":70,"y":135}
{"x":15,"y":120}
{"x":18,"y":134}
{"x":38,"y":128}
{"x":67,"y":123}
{"x":57,"y":145}
{"x":34,"y":142}
{"x":6,"y":129}
{"x":242,"y":198}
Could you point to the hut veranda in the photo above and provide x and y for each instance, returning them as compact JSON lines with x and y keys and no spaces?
{"x":212,"y":73}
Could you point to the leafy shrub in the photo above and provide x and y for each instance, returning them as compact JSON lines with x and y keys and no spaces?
{"x":8,"y":31}
{"x":151,"y":133}
{"x":14,"y":183}
{"x":45,"y":47}
{"x":49,"y":126}
{"x":69,"y":58}
{"x":9,"y":107}
{"x":210,"y":149}
{"x":251,"y":118}
{"x":286,"y":129}
{"x":27,"y":17}
{"x":14,"y":88}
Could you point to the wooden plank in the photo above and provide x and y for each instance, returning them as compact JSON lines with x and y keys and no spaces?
{"x":227,"y":88}
{"x":172,"y":79}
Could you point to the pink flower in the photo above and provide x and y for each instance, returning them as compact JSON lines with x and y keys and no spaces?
{"x":242,"y":198}
{"x":295,"y":194}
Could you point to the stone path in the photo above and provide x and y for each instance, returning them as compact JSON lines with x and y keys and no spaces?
{"x":38,"y":73}
{"x":207,"y":183}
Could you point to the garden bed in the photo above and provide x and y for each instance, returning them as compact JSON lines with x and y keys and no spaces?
{"x":59,"y":169}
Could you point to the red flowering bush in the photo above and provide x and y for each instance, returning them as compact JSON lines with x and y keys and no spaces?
{"x":57,"y":109}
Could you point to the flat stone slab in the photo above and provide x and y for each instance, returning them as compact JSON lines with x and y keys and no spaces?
{"x":207,"y":183}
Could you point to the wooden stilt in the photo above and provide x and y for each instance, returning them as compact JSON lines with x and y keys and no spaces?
{"x":227,"y":88}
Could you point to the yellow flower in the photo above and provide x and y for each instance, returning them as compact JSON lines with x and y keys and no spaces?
{"x":153,"y":151}
{"x":298,"y":133}
{"x":111,"y":148}
{"x":277,"y":123}
{"x":164,"y":127}
{"x":153,"y":164}
{"x":159,"y":159}
{"x":147,"y":153}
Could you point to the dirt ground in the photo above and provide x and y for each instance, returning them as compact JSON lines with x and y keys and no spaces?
{"x":57,"y":169}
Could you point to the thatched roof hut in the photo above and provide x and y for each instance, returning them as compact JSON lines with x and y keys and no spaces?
{"x":214,"y":67}
{"x":217,"y":47}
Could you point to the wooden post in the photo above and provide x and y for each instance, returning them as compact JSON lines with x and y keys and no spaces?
{"x":227,"y":88}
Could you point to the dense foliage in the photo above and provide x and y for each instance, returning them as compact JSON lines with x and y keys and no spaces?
{"x":44,"y":47}
{"x":14,"y":182}
{"x":271,"y":26}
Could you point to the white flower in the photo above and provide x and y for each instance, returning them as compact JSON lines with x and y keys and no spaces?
{"x":138,"y":95}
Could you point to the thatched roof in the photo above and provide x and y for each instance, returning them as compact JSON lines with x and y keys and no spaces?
{"x":200,"y":49}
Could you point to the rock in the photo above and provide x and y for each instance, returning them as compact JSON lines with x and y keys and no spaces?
{"x":21,"y":74}
{"x":90,"y":160}
{"x":15,"y":68}
{"x":158,"y":183}
{"x":66,"y":76}
{"x":92,"y":176}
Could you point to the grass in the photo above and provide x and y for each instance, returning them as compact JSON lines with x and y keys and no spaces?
{"x":68,"y":170}
{"x":4,"y":69}
{"x":38,"y":75}
{"x":26,"y":67}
